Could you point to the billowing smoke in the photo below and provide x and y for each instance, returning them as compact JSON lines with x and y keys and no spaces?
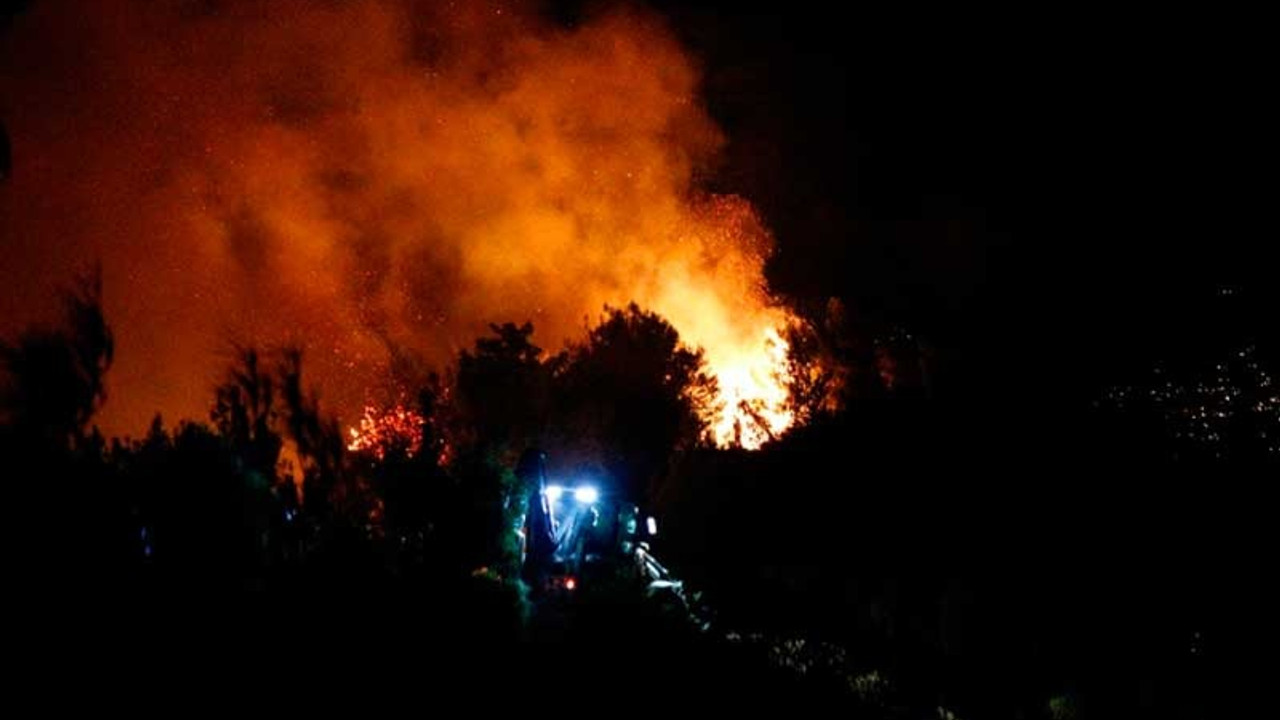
{"x":364,"y":178}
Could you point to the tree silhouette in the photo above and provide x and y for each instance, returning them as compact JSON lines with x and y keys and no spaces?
{"x":837,"y":355}
{"x":630,"y":396}
{"x":503,"y":390}
{"x":55,"y":379}
{"x":203,"y":515}
{"x":317,"y":440}
{"x":245,"y":414}
{"x":415,"y":491}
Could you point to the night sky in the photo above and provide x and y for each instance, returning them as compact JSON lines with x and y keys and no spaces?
{"x":1075,"y":187}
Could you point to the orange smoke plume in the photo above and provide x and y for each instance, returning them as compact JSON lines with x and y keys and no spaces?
{"x":370,"y":179}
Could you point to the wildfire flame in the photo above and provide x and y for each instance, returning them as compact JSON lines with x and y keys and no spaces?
{"x":381,"y":432}
{"x":753,"y":394}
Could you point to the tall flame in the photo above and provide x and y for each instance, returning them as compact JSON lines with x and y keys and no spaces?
{"x":377,"y":179}
{"x":754,"y":394}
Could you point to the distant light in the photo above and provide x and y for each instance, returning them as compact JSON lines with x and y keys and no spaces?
{"x":586,"y":494}
{"x":652,"y":523}
{"x":570,"y":584}
{"x":553,"y":492}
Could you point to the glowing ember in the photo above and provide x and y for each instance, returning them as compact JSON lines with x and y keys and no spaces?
{"x":398,"y":428}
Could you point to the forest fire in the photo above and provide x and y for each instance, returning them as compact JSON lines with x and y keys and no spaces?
{"x":886,"y":361}
{"x":382,"y":180}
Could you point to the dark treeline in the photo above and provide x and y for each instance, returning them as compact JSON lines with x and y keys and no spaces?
{"x":266,"y":484}
{"x":977,"y":560}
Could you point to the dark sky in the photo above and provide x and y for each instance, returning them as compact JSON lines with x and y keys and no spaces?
{"x":1071,"y":185}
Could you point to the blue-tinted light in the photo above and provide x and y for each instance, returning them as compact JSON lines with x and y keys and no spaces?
{"x":553,"y":492}
{"x":586,"y":494}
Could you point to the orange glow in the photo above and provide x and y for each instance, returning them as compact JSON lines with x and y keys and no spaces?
{"x":377,"y":179}
{"x":380,"y":432}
